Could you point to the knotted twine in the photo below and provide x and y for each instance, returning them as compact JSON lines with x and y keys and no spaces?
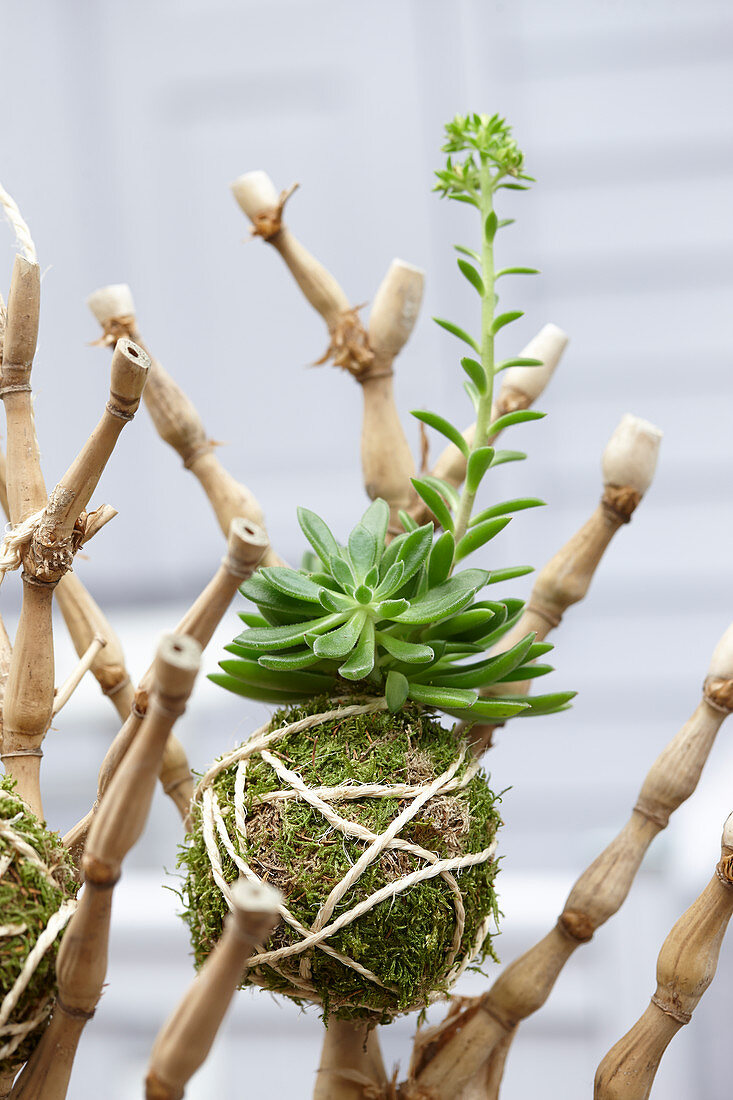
{"x":217,"y":837}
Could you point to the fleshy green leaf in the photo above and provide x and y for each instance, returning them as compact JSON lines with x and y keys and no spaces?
{"x":517,"y":271}
{"x":521,"y":362}
{"x":506,"y":319}
{"x":518,"y":417}
{"x":407,"y":652}
{"x":456,"y":331}
{"x":318,"y":534}
{"x":291,"y":583}
{"x":395,"y":691}
{"x":473,"y":393}
{"x":500,"y":457}
{"x":490,"y":226}
{"x":478,"y":464}
{"x":407,"y":521}
{"x":482,"y":673}
{"x":440,"y":424}
{"x":468,"y":252}
{"x":498,"y":576}
{"x":440,"y":561}
{"x":479,"y":535}
{"x":544,"y":704}
{"x":474,"y":620}
{"x":390,"y":609}
{"x":337,"y":643}
{"x":411,"y":549}
{"x":361,"y":661}
{"x":376,"y":520}
{"x":431,"y":696}
{"x":263,"y":695}
{"x":391,"y":581}
{"x":434,"y":501}
{"x":517,"y":505}
{"x":446,"y":599}
{"x":265,"y":595}
{"x":301,"y":658}
{"x":341,"y":571}
{"x":470,"y":272}
{"x":492,"y":710}
{"x":283,"y":637}
{"x":250,"y":672}
{"x":251,"y":619}
{"x":363,"y":550}
{"x":526,"y":672}
{"x":475,"y":372}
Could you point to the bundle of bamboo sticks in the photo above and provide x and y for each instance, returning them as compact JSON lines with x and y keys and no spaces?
{"x":464,"y":1056}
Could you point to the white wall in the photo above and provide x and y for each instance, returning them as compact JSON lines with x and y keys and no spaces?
{"x":122,"y":127}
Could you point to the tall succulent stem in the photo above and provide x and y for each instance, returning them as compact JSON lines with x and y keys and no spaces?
{"x":485,"y":200}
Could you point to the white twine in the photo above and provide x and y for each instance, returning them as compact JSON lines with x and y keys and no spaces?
{"x":18,"y":225}
{"x":16,"y":539}
{"x":215,"y":832}
{"x":16,"y":1032}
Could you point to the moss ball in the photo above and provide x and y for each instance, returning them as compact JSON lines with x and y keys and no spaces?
{"x":36,"y":878}
{"x":409,"y":941}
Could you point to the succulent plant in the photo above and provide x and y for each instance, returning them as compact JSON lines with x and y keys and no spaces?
{"x":390,"y":618}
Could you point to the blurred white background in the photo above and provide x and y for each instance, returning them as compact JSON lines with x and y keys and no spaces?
{"x":123,"y":125}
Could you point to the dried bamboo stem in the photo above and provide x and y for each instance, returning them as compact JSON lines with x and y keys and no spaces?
{"x":350,"y":1061}
{"x":51,"y":537}
{"x":685,"y":968}
{"x":82,"y":960}
{"x":67,"y":689}
{"x":244,"y":552}
{"x":628,"y":465}
{"x":187,"y":1037}
{"x":85,"y":620}
{"x":176,"y":418}
{"x":462,"y":1048}
{"x":387,"y":460}
{"x":25,"y":488}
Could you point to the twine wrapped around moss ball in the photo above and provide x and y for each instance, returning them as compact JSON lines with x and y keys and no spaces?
{"x":37,"y":888}
{"x":379,"y":828}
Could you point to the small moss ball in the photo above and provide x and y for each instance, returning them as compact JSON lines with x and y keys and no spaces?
{"x":406,"y":940}
{"x":32,"y":888}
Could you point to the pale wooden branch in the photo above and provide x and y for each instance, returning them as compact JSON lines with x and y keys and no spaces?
{"x":81,"y":965}
{"x":350,"y":1061}
{"x":387,"y":460}
{"x":462,"y":1048}
{"x":55,"y":531}
{"x":176,"y":418}
{"x":187,"y":1037}
{"x":685,"y":968}
{"x":245,"y":548}
{"x":628,"y":465}
{"x":67,"y":689}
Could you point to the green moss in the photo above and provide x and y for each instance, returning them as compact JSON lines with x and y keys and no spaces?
{"x":28,"y":900}
{"x":405,"y":941}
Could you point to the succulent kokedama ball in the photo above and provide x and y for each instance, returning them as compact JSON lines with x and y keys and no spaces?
{"x":378,"y":828}
{"x":37,"y":885}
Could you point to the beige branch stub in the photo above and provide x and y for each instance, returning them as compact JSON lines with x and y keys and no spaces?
{"x":176,"y":418}
{"x":81,"y":965}
{"x":369,"y":356}
{"x":685,"y":968}
{"x":462,"y":1047}
{"x":187,"y":1037}
{"x":628,"y":464}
